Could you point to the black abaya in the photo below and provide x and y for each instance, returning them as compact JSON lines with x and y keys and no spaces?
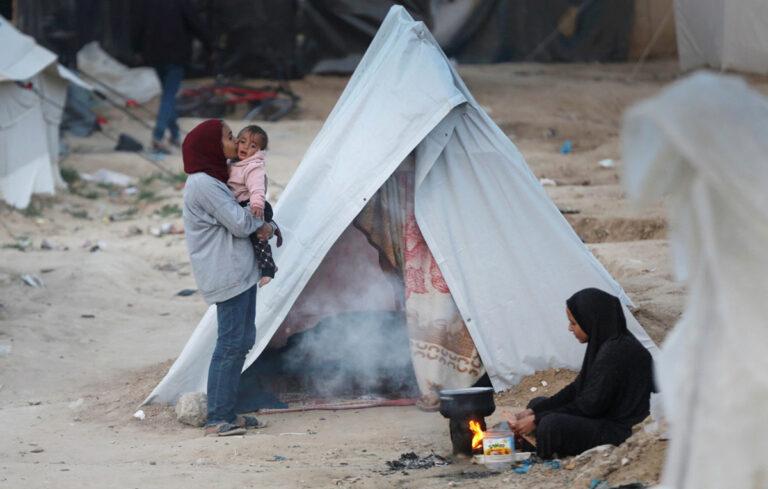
{"x":611,"y":393}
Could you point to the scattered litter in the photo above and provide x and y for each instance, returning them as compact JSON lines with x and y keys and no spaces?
{"x":108,"y":177}
{"x":22,"y":243}
{"x":547,"y":182}
{"x":130,"y":191}
{"x":166,"y":228}
{"x":88,"y":316}
{"x":410,"y":460}
{"x":36,"y":450}
{"x":534,"y":389}
{"x":553,"y":464}
{"x":5,"y":350}
{"x":186,"y":292}
{"x":126,"y":142}
{"x":567,"y":147}
{"x":34,"y":403}
{"x":544,"y":383}
{"x":140,"y":416}
{"x":624,"y":461}
{"x":607,"y":163}
{"x":100,"y":245}
{"x":52,"y":245}
{"x":277,"y":458}
{"x":550,"y":133}
{"x":33,"y":281}
{"x":47,"y":270}
{"x":524,"y":467}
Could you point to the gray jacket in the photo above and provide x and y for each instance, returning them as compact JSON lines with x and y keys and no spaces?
{"x":217,"y":230}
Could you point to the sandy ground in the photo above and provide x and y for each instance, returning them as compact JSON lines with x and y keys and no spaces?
{"x":78,"y":355}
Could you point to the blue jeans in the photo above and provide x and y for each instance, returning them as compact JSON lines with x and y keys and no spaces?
{"x":170,"y":78}
{"x":236,"y":336}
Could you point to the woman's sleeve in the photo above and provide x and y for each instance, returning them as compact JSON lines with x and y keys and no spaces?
{"x":562,"y":398}
{"x":255,"y":180}
{"x":218,"y":201}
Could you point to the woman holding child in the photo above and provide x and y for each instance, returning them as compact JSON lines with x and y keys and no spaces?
{"x":224,"y":264}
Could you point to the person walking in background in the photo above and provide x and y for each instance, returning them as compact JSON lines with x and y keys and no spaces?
{"x":165,"y":34}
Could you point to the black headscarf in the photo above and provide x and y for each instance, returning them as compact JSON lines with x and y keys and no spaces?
{"x":600,"y":315}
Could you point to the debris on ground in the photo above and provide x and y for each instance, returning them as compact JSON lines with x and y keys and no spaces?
{"x":567,"y":147}
{"x":52,"y":246}
{"x":410,"y":460}
{"x":547,"y":182}
{"x":108,"y":177}
{"x":192,"y":409}
{"x":165,"y":229}
{"x":186,"y":292}
{"x":32,"y":280}
{"x":140,"y":415}
{"x":607,"y":163}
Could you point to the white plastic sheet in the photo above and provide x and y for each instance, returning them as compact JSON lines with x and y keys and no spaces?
{"x":703,"y":143}
{"x":508,"y":256}
{"x":139,"y":84}
{"x":726,"y":34}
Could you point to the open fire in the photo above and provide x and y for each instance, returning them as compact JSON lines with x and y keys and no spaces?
{"x":478,"y":434}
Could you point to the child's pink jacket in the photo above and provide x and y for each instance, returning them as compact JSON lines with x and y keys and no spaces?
{"x":248,"y":180}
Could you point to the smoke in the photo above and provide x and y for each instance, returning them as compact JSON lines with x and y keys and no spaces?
{"x":353,"y":354}
{"x":345,"y":335}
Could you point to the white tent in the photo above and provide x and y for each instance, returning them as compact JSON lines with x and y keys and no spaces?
{"x":508,"y":256}
{"x":723,"y":34}
{"x":28,"y":114}
{"x":702,"y":144}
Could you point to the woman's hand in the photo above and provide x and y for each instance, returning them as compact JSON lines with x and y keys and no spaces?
{"x":265,"y":232}
{"x":525,"y":425}
{"x":523,"y":414}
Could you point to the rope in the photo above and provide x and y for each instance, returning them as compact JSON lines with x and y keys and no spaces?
{"x":101,"y":129}
{"x":650,"y":44}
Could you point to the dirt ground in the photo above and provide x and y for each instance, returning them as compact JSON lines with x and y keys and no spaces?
{"x":79,"y":354}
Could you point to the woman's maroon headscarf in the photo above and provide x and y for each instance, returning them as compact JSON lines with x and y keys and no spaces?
{"x":202,"y":151}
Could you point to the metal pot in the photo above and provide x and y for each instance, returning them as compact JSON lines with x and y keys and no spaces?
{"x":472,"y":402}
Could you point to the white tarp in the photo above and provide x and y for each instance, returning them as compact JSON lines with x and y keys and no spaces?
{"x":508,"y":256}
{"x":724,"y":34}
{"x":703,"y":144}
{"x":139,"y":84}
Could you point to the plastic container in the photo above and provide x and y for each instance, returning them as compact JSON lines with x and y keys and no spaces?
{"x":499,"y":449}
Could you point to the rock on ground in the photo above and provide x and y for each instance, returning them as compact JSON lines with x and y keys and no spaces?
{"x":192,"y":408}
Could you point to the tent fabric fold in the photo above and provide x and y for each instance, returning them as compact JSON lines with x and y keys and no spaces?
{"x":508,"y":256}
{"x":701,"y":144}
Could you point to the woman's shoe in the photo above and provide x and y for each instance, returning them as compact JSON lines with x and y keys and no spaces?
{"x":224,"y":429}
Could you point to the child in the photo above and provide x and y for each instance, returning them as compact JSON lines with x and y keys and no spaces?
{"x":248,"y":181}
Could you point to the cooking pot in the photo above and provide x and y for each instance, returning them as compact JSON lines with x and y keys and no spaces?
{"x":472,"y":402}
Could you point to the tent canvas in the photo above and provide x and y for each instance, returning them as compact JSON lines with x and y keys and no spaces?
{"x":701,"y":145}
{"x":723,"y":34}
{"x":508,"y":256}
{"x":27,"y":168}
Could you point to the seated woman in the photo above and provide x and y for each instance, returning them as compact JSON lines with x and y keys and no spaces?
{"x":609,"y":396}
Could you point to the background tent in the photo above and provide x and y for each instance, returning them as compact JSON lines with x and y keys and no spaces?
{"x":701,"y":144}
{"x":723,"y":34}
{"x":508,"y":256}
{"x":32,"y":109}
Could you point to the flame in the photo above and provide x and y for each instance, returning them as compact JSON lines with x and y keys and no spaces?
{"x":477,"y":440}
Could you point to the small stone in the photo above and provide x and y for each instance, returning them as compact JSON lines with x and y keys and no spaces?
{"x":37,"y":450}
{"x":192,"y":408}
{"x":534,"y":389}
{"x":152,"y":463}
{"x":624,"y":461}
